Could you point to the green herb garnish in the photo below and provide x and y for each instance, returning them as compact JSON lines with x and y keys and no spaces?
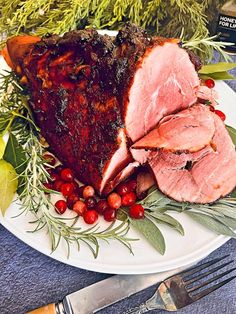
{"x":161,"y":17}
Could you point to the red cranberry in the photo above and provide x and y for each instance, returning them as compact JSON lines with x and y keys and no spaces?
{"x":90,"y":202}
{"x":80,"y":208}
{"x":109,"y":214}
{"x":122,"y":188}
{"x":57,"y":185}
{"x":50,"y":159}
{"x":101,"y":206}
{"x":220,"y":114}
{"x":114,"y":200}
{"x":128,"y":199}
{"x":67,"y":189}
{"x":136,"y":211}
{"x":90,"y":216}
{"x":209,"y":83}
{"x":60,"y":207}
{"x":67,"y":175}
{"x":132,"y":184}
{"x":88,"y":191}
{"x":71,"y":200}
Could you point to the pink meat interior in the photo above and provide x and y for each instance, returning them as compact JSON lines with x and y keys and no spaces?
{"x":164,"y":83}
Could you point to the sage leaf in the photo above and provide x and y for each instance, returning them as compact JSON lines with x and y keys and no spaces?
{"x":217,"y":67}
{"x":2,"y":147}
{"x":227,"y":211}
{"x":169,"y":220}
{"x":155,"y":198}
{"x":218,"y":76}
{"x":15,"y":155}
{"x":230,"y":222}
{"x":232,"y":133}
{"x":8,"y":185}
{"x":212,"y":224}
{"x":151,"y":232}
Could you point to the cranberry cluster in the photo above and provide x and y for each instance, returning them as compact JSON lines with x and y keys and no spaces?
{"x":82,"y":199}
{"x":211,"y":84}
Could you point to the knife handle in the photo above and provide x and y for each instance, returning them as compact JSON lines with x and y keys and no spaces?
{"x":48,"y":309}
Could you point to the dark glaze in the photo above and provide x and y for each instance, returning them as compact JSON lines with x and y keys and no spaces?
{"x":76,"y":82}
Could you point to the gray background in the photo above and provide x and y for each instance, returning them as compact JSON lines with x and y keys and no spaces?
{"x":28,"y":279}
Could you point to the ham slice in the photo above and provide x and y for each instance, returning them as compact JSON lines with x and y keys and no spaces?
{"x":189,"y":130}
{"x":165,"y":82}
{"x":200,"y":177}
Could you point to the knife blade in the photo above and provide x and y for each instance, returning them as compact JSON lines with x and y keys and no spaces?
{"x":111,"y":290}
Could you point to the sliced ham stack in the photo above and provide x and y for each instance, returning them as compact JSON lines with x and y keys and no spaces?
{"x":191,"y":155}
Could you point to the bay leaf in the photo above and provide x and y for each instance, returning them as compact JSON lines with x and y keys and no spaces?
{"x":2,"y":147}
{"x":151,"y":233}
{"x":217,"y":67}
{"x":212,"y":224}
{"x":169,"y":220}
{"x":232,"y":133}
{"x":15,"y":155}
{"x":218,"y":76}
{"x":8,"y":185}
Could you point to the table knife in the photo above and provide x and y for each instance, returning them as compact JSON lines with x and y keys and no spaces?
{"x":104,"y":293}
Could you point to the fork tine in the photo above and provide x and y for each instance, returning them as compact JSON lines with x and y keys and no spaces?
{"x":196,"y":269}
{"x":196,"y":278}
{"x":211,"y":280}
{"x":211,"y":289}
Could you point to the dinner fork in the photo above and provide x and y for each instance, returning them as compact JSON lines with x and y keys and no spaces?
{"x":181,"y":289}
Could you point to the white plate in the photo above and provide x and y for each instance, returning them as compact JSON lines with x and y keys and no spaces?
{"x":197,"y":243}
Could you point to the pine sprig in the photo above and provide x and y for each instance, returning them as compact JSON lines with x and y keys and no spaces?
{"x":159,"y":17}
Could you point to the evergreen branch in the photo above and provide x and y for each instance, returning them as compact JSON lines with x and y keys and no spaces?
{"x":159,"y":17}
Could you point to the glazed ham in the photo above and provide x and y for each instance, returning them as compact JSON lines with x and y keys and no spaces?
{"x":93,"y":95}
{"x":201,"y":169}
{"x":106,"y":105}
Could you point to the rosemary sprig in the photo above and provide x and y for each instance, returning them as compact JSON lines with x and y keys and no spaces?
{"x":16,"y":118}
{"x":205,"y":46}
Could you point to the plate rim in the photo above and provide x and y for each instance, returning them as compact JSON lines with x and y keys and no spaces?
{"x":186,"y":260}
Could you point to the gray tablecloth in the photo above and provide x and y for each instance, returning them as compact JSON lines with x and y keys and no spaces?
{"x":28,"y":279}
